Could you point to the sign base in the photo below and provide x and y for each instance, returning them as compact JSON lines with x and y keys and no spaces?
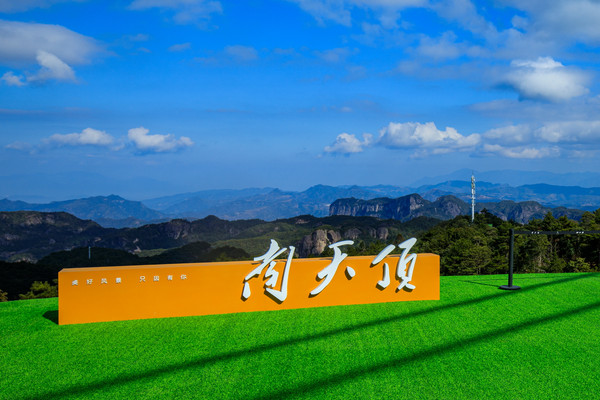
{"x":507,"y":287}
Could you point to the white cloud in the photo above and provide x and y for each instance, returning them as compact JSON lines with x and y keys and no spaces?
{"x":11,"y":79}
{"x":87,"y":137}
{"x":575,"y":139}
{"x":51,"y":47}
{"x":156,"y":143}
{"x":561,"y":133}
{"x":442,"y":48}
{"x":538,"y":27}
{"x":20,"y":146}
{"x":576,"y":18}
{"x":510,"y":135}
{"x":581,"y":132}
{"x":180,"y":47}
{"x":52,"y":68}
{"x":425,"y":136}
{"x":21,"y":42}
{"x":446,"y":47}
{"x":521,"y":152}
{"x":465,"y":13}
{"x":185,"y":11}
{"x":546,"y":79}
{"x":241,"y":53}
{"x":346,"y":143}
{"x":562,"y":20}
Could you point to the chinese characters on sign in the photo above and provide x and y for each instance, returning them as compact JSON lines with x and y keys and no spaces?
{"x":404,"y":269}
{"x":142,"y":279}
{"x":402,"y":274}
{"x":271,"y":275}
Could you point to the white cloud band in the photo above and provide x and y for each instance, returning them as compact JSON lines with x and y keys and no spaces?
{"x":574,"y":138}
{"x":346,"y":143}
{"x":87,"y":137}
{"x":157,"y":143}
{"x":415,"y":134}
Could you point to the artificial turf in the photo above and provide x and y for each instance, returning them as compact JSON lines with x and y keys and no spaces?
{"x":542,"y":342}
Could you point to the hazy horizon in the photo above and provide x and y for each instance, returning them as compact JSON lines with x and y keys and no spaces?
{"x":54,"y":188}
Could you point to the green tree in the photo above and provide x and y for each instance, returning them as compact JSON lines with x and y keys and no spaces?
{"x":3,"y":296}
{"x":588,"y":221}
{"x":467,"y":257}
{"x":41,"y":290}
{"x":578,"y":265}
{"x":556,"y":263}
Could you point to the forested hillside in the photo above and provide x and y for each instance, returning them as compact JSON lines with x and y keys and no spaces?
{"x":31,"y":235}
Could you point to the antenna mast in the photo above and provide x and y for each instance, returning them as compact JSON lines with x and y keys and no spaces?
{"x":472,"y":197}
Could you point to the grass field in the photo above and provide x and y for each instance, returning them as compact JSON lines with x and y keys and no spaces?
{"x":477,"y":342}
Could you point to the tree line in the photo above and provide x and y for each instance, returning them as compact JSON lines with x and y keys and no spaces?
{"x":482,"y":246}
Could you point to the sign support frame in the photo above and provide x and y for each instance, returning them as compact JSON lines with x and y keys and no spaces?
{"x":510,"y":285}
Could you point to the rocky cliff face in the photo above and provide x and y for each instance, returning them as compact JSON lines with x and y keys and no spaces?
{"x":446,"y":207}
{"x":403,"y":208}
{"x":315,"y":243}
{"x":385,"y":208}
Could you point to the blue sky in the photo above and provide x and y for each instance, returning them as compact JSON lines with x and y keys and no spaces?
{"x":150,"y":97}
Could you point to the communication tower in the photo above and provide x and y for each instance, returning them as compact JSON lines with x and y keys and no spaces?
{"x":472,"y":197}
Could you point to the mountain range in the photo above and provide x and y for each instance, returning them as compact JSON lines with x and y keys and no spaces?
{"x":32,"y":235}
{"x":446,"y":207}
{"x":271,"y":203}
{"x":106,"y":210}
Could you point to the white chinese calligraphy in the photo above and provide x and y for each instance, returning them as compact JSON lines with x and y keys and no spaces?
{"x":404,"y":269}
{"x":403,"y":274}
{"x":271,"y":275}
{"x":329,"y":271}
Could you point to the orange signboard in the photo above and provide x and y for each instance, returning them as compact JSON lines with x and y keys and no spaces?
{"x":177,"y":290}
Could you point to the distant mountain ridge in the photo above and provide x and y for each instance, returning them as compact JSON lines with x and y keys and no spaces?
{"x":270,"y":204}
{"x":548,"y":195}
{"x":102,"y":209}
{"x":516,"y":177}
{"x":446,"y":207}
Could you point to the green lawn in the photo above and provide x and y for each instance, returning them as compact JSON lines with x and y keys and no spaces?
{"x":477,"y":342}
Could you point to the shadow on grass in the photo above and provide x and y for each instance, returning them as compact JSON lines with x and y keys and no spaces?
{"x":481,"y":283}
{"x":528,"y":277}
{"x":51,"y":315}
{"x":336,"y":379}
